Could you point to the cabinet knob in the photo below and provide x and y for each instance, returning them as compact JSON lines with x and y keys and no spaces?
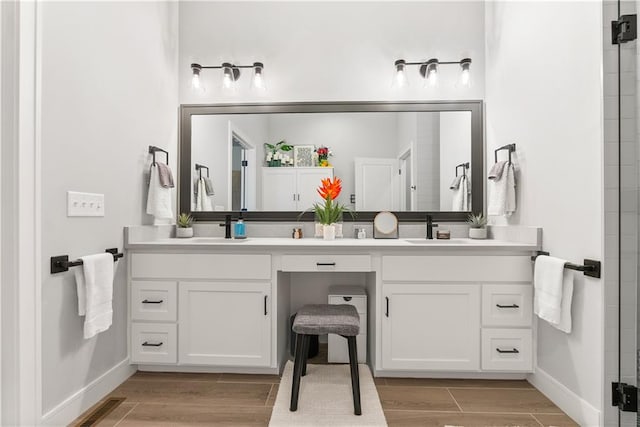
{"x":347,"y":298}
{"x":149,"y":344}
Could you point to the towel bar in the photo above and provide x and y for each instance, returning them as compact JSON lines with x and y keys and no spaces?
{"x":199,"y":169}
{"x":464,"y":167}
{"x":153,"y":149}
{"x":61,"y":263}
{"x":510,"y":147}
{"x":590,"y":267}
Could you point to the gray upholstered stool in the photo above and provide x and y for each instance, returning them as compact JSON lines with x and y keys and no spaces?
{"x":320,"y":319}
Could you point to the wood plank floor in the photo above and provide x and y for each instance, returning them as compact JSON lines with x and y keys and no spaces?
{"x":178,"y":399}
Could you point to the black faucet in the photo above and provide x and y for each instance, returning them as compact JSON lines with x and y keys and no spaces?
{"x":227,"y":226}
{"x":430,"y":226}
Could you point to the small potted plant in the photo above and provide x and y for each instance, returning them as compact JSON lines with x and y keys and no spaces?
{"x":477,"y":226}
{"x":183,"y":226}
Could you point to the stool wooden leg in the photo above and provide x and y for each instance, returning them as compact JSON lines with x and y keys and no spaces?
{"x":305,"y":354}
{"x":297,"y":370}
{"x":355,"y":375}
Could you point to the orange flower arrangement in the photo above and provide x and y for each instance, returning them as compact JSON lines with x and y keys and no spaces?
{"x":331,"y":211}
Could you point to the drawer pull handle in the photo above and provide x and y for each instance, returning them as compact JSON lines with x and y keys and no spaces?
{"x":515,"y":350}
{"x":146,"y":301}
{"x":325,"y":263}
{"x":387,"y":312}
{"x":149,"y":344}
{"x":508,"y":306}
{"x":265,"y":305}
{"x":347,"y":298}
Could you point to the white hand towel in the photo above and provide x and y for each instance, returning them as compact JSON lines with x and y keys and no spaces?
{"x":553,"y":286}
{"x":460,"y":201}
{"x":94,"y":281}
{"x":502,"y":193}
{"x":159,"y":197}
{"x":203,"y":202}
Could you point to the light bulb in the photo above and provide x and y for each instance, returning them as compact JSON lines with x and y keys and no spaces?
{"x":400,"y":75}
{"x":195,"y":80}
{"x":229,"y":75}
{"x":465,"y":73}
{"x":431,"y":73}
{"x":258,"y":82}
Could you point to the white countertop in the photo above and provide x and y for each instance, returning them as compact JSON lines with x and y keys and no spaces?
{"x":266,"y":242}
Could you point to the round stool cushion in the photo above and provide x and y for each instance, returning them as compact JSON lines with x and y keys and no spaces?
{"x":320,"y":319}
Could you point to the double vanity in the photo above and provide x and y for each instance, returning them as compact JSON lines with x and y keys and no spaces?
{"x":448,"y":308}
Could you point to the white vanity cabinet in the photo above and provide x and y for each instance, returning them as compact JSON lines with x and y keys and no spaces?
{"x":456,"y":313}
{"x":207,"y":309}
{"x":292,"y":188}
{"x":431,"y":327}
{"x":227,"y":324}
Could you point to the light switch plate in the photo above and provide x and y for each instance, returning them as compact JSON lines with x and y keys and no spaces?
{"x":85,"y":204}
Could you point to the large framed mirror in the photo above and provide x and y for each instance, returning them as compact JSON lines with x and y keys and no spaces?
{"x":267,"y":160}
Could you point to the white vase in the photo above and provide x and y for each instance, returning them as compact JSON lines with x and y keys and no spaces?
{"x":477,"y":233}
{"x":329,"y":232}
{"x":184,"y":232}
{"x":318,"y":230}
{"x":338,"y":226}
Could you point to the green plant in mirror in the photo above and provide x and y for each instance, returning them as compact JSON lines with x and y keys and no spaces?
{"x":278,"y":146}
{"x":184,"y":220}
{"x":477,"y":221}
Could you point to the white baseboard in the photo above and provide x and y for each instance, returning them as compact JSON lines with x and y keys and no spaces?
{"x":83,"y":399}
{"x":576,"y":407}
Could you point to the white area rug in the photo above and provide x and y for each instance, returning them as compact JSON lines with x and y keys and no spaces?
{"x":325,"y":398}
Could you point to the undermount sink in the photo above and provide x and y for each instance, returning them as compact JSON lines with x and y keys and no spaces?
{"x":215,"y":240}
{"x":438,"y":241}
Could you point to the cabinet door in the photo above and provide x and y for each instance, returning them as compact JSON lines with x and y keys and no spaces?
{"x":431,"y":327}
{"x":308,"y":183}
{"x":225,"y":324}
{"x":279,"y":189}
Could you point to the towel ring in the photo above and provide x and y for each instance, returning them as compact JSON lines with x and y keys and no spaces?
{"x":153,"y":149}
{"x":199,"y":169}
{"x":510,"y":147}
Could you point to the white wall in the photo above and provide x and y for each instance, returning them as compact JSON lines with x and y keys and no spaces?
{"x":544,"y":92}
{"x":109,"y":89}
{"x":330,"y":50}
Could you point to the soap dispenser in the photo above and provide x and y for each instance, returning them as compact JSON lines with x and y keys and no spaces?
{"x":239,"y":229}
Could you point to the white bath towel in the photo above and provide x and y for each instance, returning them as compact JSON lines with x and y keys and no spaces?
{"x":203,"y":202}
{"x":159,"y":197}
{"x":502,"y":193}
{"x":460,"y":201}
{"x":94,"y":282}
{"x":553,"y":286}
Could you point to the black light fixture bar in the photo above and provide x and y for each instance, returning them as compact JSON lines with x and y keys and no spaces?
{"x":196,"y":68}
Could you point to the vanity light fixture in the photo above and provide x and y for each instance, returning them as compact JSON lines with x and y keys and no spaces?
{"x":429,"y":71}
{"x":230,"y":74}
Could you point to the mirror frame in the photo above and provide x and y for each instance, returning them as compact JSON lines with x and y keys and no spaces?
{"x":477,"y":153}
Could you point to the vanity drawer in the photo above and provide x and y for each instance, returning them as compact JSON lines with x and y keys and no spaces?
{"x":201,"y":266}
{"x":458,"y":268}
{"x":326,"y":263}
{"x":154,"y":343}
{"x":360,"y":303}
{"x":507,"y":305}
{"x":507,"y":350}
{"x":154,"y":301}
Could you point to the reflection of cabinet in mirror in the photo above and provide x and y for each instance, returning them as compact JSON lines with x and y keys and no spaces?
{"x":292,"y":189}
